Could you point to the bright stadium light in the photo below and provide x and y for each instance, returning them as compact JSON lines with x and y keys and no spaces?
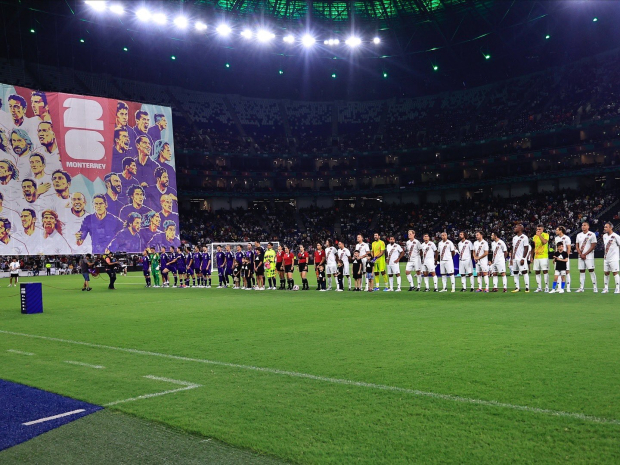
{"x":97,"y":5}
{"x":376,"y":41}
{"x":331,"y":42}
{"x":263,"y":35}
{"x":289,"y":38}
{"x":117,"y":8}
{"x":353,"y":41}
{"x":159,"y":18}
{"x":143,"y":14}
{"x":181,"y":22}
{"x":307,"y":40}
{"x":200,"y":26}
{"x":224,"y":30}
{"x":247,"y":34}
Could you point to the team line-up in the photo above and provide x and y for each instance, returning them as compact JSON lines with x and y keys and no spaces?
{"x":369,"y":264}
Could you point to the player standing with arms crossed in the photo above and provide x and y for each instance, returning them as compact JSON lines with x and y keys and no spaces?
{"x":429,"y":250}
{"x":481,"y":255}
{"x":611,"y":241}
{"x":362,"y":249}
{"x":394,"y":253}
{"x":518,"y":260}
{"x":498,"y":261}
{"x":541,"y":257}
{"x":586,"y":243}
{"x":446,"y":253}
{"x":378,"y":256}
{"x":466,"y":266}
{"x":562,"y":238}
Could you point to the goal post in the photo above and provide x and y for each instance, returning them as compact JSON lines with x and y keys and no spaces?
{"x":233,"y":248}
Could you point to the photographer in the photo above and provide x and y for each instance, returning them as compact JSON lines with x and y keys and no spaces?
{"x":85,"y":266}
{"x":111,"y":265}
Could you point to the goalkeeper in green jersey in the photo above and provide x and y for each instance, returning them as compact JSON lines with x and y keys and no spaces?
{"x":270,"y":266}
{"x":154,"y":258}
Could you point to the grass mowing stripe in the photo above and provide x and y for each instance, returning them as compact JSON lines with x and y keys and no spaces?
{"x":382,"y":387}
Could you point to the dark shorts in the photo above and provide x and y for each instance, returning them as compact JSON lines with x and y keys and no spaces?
{"x":229,"y":271}
{"x":303,"y":267}
{"x":196,"y":270}
{"x":171,"y":269}
{"x":357,"y":275}
{"x":260,"y":271}
{"x":221,"y":270}
{"x":181,"y":270}
{"x":288,"y":268}
{"x":86,"y":276}
{"x":278,"y":266}
{"x":144,"y":272}
{"x":190,"y":271}
{"x":205,"y":271}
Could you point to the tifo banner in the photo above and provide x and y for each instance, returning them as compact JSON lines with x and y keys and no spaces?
{"x":84,"y":174}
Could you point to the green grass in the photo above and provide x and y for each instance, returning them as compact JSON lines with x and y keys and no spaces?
{"x":557,"y":352}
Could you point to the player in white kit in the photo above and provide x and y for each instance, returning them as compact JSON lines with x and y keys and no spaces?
{"x":331,"y":267}
{"x":466,"y":266}
{"x":446,"y":251}
{"x":499,"y":253}
{"x":518,"y":260}
{"x":586,"y":243}
{"x":344,"y":255}
{"x":414,"y":262}
{"x":481,"y":255}
{"x":611,"y":241}
{"x":393,"y":253}
{"x":363,"y":248}
{"x":562,"y":238}
{"x":429,"y":258}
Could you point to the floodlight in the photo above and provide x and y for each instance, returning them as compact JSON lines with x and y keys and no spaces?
{"x":376,"y":40}
{"x":181,"y":21}
{"x":289,"y":39}
{"x":263,"y":35}
{"x":308,"y":40}
{"x":353,"y":41}
{"x":201,"y":26}
{"x":247,"y":33}
{"x":97,"y":5}
{"x":223,"y":30}
{"x":143,"y":14}
{"x":117,"y":8}
{"x":159,"y":18}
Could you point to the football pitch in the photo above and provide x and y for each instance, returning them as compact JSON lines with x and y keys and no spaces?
{"x":326,"y":377}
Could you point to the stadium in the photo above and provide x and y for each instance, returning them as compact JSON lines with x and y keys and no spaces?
{"x":298,"y":231}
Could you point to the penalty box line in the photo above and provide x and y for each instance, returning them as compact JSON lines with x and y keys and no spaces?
{"x":346,"y":382}
{"x":186,"y":387}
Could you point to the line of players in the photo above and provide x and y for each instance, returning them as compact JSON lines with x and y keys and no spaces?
{"x":249,"y":268}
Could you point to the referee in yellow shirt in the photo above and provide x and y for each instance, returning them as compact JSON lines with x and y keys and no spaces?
{"x":378,"y":255}
{"x":541,"y":257}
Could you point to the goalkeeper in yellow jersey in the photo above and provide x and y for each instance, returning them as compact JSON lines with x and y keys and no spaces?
{"x":541,"y":257}
{"x":378,"y":257}
{"x":270,"y":267}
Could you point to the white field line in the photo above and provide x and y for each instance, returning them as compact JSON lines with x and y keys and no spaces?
{"x":82,"y":364}
{"x":186,"y":386}
{"x":13,"y":351}
{"x":346,"y":382}
{"x":60,"y":415}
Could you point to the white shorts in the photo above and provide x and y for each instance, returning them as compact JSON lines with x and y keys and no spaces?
{"x":560,"y":273}
{"x":346,"y":270}
{"x":414,"y":265}
{"x":331,"y":269}
{"x":393,"y":269}
{"x":482,"y":267}
{"x":498,"y":268}
{"x":466,"y":267}
{"x":428,"y":266}
{"x":541,"y":264}
{"x":610,"y":266}
{"x":446,"y":267}
{"x":516,"y":268}
{"x":587,"y":264}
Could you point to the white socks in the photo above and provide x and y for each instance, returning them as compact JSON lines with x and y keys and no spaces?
{"x":464,"y":281}
{"x":593,"y":278}
{"x":410,"y":280}
{"x":444,"y":281}
{"x":538,"y":281}
{"x":453,"y":281}
{"x":526,"y":278}
{"x":391,"y":279}
{"x":546,"y":278}
{"x":398,"y":282}
{"x":582,"y":280}
{"x":505,"y":281}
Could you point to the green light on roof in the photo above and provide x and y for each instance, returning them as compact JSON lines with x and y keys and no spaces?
{"x":227,"y":65}
{"x":487,"y":57}
{"x":125,"y":49}
{"x":435,"y":67}
{"x":547,"y":36}
{"x":385,"y":75}
{"x":82,"y":40}
{"x":334,"y":75}
{"x":595,"y":19}
{"x":32,"y":31}
{"x":173,"y":57}
{"x":280,"y":72}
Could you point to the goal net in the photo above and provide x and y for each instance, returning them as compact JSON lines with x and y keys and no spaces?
{"x":233,"y":248}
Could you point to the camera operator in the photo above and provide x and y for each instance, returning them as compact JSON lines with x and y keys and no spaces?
{"x":85,"y":265}
{"x":111,"y":265}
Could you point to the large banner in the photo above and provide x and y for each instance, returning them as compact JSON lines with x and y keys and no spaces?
{"x":84,"y":175}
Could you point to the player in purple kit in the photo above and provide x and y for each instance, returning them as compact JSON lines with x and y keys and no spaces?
{"x":163,"y":258}
{"x":249,"y":255}
{"x":196,"y":263}
{"x":180,"y":257}
{"x":220,"y":261}
{"x":189,"y":266}
{"x":239,"y":255}
{"x":206,"y":268}
{"x":170,"y":264}
{"x":230,"y":261}
{"x":146,"y":267}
